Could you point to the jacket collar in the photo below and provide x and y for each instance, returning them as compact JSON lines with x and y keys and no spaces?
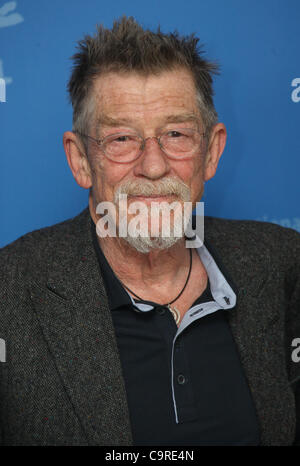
{"x":73,"y":312}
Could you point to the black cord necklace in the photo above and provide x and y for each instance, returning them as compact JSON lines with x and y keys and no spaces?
{"x":175,"y":312}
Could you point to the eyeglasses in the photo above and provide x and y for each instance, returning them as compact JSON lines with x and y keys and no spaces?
{"x":179,"y":144}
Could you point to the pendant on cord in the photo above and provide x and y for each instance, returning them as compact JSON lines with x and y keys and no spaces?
{"x":175,"y":313}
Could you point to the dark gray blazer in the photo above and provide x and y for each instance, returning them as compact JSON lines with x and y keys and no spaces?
{"x":62,"y":383}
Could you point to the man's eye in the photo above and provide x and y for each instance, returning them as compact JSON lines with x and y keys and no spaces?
{"x":122,"y":139}
{"x":174,"y":134}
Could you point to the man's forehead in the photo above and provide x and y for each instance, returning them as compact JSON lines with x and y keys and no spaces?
{"x":135,"y":87}
{"x":171,"y":94}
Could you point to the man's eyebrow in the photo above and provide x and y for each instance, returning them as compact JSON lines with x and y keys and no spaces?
{"x":181,"y":118}
{"x":106,"y":120}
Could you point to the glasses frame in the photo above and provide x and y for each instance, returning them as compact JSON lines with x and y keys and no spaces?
{"x":100,"y":143}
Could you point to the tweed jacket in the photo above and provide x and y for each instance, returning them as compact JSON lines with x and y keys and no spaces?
{"x":61,"y":382}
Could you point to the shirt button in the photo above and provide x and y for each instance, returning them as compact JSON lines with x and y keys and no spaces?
{"x":181,"y":379}
{"x":161,"y":310}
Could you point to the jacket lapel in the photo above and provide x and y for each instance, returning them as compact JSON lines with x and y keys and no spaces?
{"x":257,"y":325}
{"x":73,"y":312}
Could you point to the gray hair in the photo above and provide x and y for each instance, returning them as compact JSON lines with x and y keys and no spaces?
{"x":128,"y":47}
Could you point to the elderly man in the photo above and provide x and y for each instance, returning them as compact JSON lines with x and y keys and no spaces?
{"x":137,"y":339}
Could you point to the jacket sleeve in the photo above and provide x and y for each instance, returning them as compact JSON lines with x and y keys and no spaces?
{"x":293,"y":321}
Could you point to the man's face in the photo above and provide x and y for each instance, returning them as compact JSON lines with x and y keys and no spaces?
{"x":146,"y":106}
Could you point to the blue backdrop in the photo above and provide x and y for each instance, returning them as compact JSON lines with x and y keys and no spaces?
{"x":257,"y":97}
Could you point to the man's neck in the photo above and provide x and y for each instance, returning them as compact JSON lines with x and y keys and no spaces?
{"x":134,"y":266}
{"x":157,"y":271}
{"x":158,"y":275}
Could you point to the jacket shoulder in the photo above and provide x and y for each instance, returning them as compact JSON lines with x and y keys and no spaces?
{"x":39,"y":246}
{"x":245,"y":230}
{"x":255,"y":238}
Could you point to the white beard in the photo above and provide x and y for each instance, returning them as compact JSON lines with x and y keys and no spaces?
{"x":172,"y":186}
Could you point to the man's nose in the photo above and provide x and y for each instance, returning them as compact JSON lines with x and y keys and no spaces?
{"x":154,"y":163}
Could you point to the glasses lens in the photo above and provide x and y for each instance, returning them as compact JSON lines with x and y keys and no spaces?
{"x":181,"y":142}
{"x":122,"y":147}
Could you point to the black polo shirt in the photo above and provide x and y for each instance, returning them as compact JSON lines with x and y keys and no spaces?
{"x":185,"y":386}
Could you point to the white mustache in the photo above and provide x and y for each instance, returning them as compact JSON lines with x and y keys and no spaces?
{"x":165,"y":187}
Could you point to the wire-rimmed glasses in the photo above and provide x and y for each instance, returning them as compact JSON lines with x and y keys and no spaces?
{"x":124,"y":147}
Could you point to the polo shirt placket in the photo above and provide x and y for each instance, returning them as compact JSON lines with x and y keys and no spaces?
{"x":163,"y":365}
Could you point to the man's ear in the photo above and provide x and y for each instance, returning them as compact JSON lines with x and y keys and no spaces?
{"x":77,"y":159}
{"x":215,"y":149}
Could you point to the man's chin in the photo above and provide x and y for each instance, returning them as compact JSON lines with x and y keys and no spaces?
{"x":149,"y":244}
